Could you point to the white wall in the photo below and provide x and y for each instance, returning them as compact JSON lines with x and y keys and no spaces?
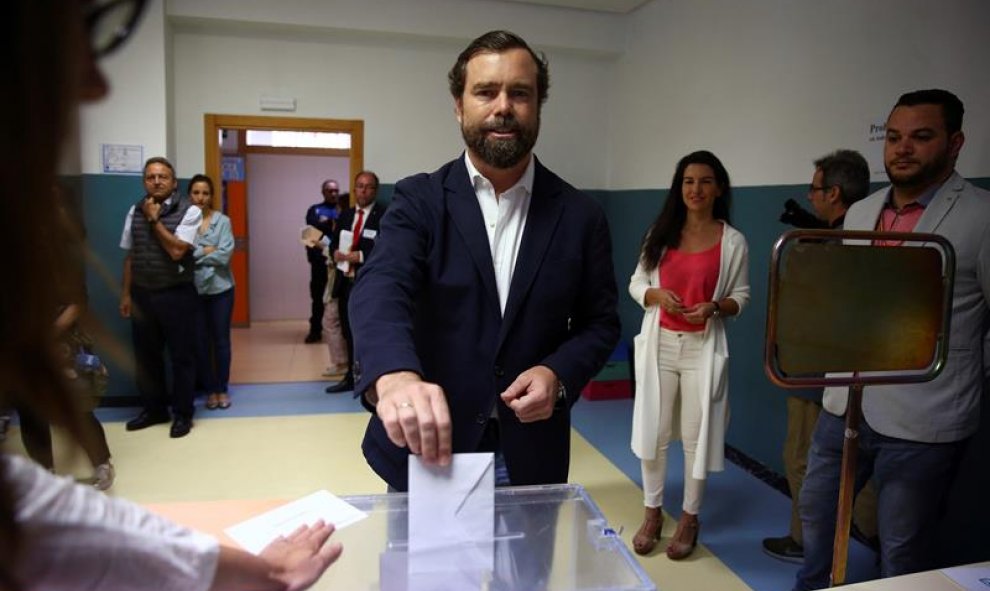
{"x":398,"y":88}
{"x":135,"y":112}
{"x":280,"y":190}
{"x":770,"y":85}
{"x":403,"y":21}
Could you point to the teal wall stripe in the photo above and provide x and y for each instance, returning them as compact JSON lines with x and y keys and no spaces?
{"x":758,"y":413}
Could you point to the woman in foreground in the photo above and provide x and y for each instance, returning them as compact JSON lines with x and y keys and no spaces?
{"x":55,"y":534}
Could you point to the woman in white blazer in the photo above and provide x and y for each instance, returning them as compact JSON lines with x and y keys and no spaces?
{"x":692,"y":274}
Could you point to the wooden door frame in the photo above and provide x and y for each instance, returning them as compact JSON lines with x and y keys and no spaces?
{"x":213,"y":123}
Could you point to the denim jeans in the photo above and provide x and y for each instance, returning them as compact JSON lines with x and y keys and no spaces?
{"x":213,"y":341}
{"x":911,"y":478}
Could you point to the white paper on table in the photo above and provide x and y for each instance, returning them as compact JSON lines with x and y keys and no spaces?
{"x":452,"y":521}
{"x":259,"y":531}
{"x":344,"y":246}
{"x":970,"y":578}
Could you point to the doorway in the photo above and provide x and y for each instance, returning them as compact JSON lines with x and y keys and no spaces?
{"x":234,"y":199}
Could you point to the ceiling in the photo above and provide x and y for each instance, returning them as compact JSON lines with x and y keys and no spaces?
{"x":616,"y":6}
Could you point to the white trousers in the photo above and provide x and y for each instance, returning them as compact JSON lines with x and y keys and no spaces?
{"x":678,"y":358}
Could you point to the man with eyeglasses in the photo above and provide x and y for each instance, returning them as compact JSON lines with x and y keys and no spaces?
{"x":840,"y":179}
{"x":912,"y":436}
{"x":159,"y":297}
{"x":359,"y":226}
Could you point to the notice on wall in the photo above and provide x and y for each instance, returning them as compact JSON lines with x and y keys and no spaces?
{"x":232,"y":168}
{"x":875,"y":136}
{"x":123,"y":159}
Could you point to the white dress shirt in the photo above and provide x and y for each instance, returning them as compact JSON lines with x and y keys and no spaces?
{"x":76,"y":537}
{"x":364,"y":224}
{"x":505,"y":220}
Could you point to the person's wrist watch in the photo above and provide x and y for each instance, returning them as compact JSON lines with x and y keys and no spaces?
{"x":153,"y":221}
{"x":717,"y":311}
{"x":561,"y":391}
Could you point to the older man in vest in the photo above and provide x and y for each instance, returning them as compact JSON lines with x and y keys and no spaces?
{"x":159,"y":298}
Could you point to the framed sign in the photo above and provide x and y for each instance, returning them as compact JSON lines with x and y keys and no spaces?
{"x":123,"y":159}
{"x":232,"y":168}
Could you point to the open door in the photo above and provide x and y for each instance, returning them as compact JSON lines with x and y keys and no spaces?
{"x":233,"y":200}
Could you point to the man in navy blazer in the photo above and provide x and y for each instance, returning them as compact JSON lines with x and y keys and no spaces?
{"x":490,"y":299}
{"x":362,"y":221}
{"x":912,"y":436}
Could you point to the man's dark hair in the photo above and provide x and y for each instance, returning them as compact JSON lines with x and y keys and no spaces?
{"x":159,"y":160}
{"x":200,"y":178}
{"x":847,"y":170}
{"x":498,"y":42}
{"x":952,"y":107}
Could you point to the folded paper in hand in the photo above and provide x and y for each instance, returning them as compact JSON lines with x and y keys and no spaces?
{"x":310,"y":236}
{"x":344,"y":246}
{"x":256,"y":533}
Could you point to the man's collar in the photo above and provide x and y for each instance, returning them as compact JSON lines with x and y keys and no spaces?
{"x":923,"y":200}
{"x":525,"y":181}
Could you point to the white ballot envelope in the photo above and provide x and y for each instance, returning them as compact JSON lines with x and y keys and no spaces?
{"x":971,"y":577}
{"x":451,"y":523}
{"x":259,"y":531}
{"x":344,"y":246}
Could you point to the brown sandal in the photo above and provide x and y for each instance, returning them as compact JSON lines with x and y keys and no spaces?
{"x":685,"y":538}
{"x":212,"y":402}
{"x":649,"y":532}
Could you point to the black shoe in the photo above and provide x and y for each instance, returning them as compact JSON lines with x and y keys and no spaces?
{"x":345,"y":385}
{"x":146,"y":419}
{"x":784,"y":548}
{"x":180,"y":427}
{"x":313,"y":338}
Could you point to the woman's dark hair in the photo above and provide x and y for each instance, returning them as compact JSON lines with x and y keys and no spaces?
{"x":665,"y":232}
{"x":40,"y":90}
{"x":202,"y":178}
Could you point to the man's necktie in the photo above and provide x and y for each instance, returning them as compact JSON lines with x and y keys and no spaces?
{"x":358,"y":226}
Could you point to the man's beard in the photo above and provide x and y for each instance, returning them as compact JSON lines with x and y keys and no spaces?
{"x":501,"y":153}
{"x":924,"y":176}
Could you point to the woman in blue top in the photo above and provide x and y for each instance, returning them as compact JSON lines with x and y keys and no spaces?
{"x":215,"y":285}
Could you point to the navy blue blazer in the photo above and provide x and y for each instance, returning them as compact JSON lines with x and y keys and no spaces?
{"x":427,"y":302}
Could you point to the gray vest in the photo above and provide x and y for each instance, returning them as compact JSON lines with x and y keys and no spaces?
{"x":151,"y":267}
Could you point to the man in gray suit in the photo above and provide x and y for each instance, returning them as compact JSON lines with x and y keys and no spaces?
{"x":912,"y":435}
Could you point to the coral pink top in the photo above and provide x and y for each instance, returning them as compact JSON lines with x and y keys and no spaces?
{"x":692,"y":276}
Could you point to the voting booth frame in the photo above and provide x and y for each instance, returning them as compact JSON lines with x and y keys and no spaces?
{"x":844,"y":311}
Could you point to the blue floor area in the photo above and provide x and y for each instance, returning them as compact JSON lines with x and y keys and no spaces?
{"x":264,"y":400}
{"x":739,"y":510}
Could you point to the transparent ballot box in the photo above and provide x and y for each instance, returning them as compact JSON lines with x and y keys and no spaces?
{"x":545,"y":538}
